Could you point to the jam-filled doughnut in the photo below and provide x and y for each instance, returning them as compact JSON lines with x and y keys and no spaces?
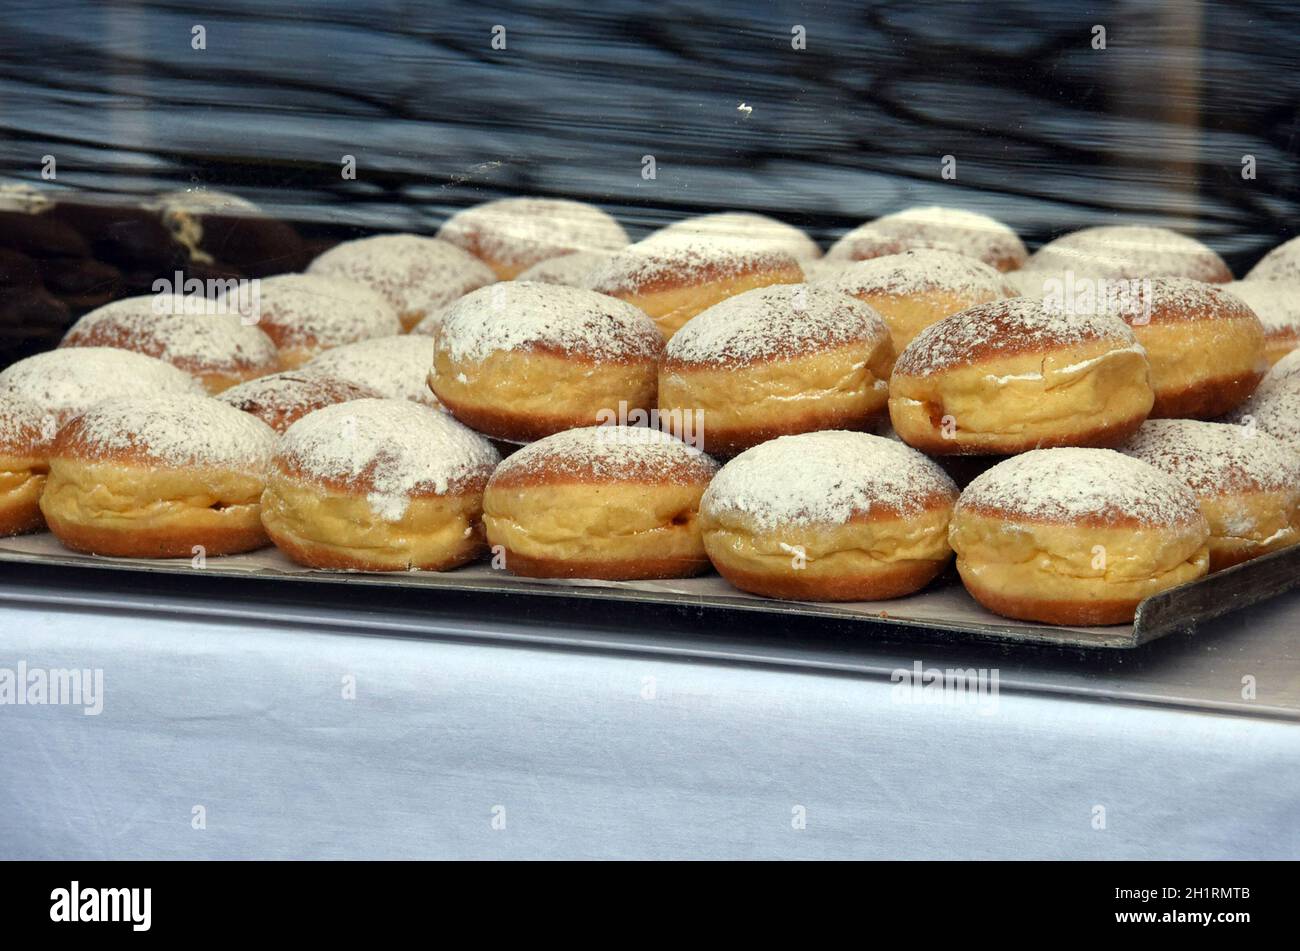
{"x":937,"y":228}
{"x":1013,"y":375}
{"x":1076,"y":536}
{"x":749,"y":227}
{"x":395,"y":367}
{"x":571,"y":270}
{"x":1277,"y":305}
{"x":306,"y":314}
{"x":610,"y":502}
{"x":65,"y":383}
{"x":774,"y":361}
{"x":829,"y":516}
{"x":519,"y":361}
{"x":1130,"y":252}
{"x":673,"y":275}
{"x":24,"y":461}
{"x":281,"y":399}
{"x":1205,"y":347}
{"x":378,"y":485}
{"x":1280,"y":264}
{"x":1247,"y":483}
{"x":416,"y":275}
{"x":193,"y":333}
{"x":510,"y":235}
{"x":159,"y":477}
{"x":915,"y":289}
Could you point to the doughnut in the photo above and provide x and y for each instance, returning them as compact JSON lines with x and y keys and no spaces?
{"x":1280,"y":264}
{"x":674,"y":275}
{"x":1286,"y":372}
{"x":775,"y":361}
{"x":1247,"y":482}
{"x":65,"y":383}
{"x":829,"y":516}
{"x":571,"y":270}
{"x":936,"y":228}
{"x":1012,"y":375}
{"x":510,"y":235}
{"x":395,"y":367}
{"x":750,"y":227}
{"x":915,"y":289}
{"x":194,"y":334}
{"x":306,"y":314}
{"x":281,"y":399}
{"x":610,"y":502}
{"x":519,"y":361}
{"x":1273,"y":409}
{"x":415,"y":274}
{"x":1130,"y":252}
{"x":1076,"y":536}
{"x":24,"y":462}
{"x":1205,"y":347}
{"x":1277,"y":305}
{"x":159,"y":477}
{"x":378,"y":485}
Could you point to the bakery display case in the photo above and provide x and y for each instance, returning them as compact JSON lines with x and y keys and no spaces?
{"x":597,"y":422}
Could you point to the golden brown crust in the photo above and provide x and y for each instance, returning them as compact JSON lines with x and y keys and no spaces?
{"x":138,"y":542}
{"x":294,"y":395}
{"x":604,"y":569}
{"x":1208,"y":399}
{"x":1098,"y":437}
{"x":727,"y":441}
{"x":1051,"y":611}
{"x":891,"y":582}
{"x":20,"y":517}
{"x":551,"y":471}
{"x":313,"y":554}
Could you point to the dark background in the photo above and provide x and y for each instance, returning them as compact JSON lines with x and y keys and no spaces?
{"x":1048,"y":133}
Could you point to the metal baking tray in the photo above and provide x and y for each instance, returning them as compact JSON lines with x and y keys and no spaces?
{"x":944,"y":606}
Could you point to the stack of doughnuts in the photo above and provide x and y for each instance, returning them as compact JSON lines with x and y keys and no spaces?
{"x":1107,"y":403}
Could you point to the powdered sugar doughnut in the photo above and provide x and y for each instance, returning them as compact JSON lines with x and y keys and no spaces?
{"x":830,"y":516}
{"x":937,"y":228}
{"x":1013,"y":375}
{"x":194,"y":334}
{"x":1273,"y":409}
{"x":606,"y":502}
{"x":915,"y":289}
{"x":63,"y":384}
{"x":415,"y":274}
{"x":24,"y":462}
{"x":571,"y":270}
{"x":159,"y":477}
{"x":395,"y":367}
{"x":790,"y":358}
{"x":519,"y":361}
{"x":1247,"y":482}
{"x":1286,"y":372}
{"x":1277,"y":305}
{"x":751,"y":228}
{"x":1131,"y":252}
{"x":1280,"y":264}
{"x":512,"y":234}
{"x":1076,"y":536}
{"x":305,"y":314}
{"x":281,"y":399}
{"x":378,"y":485}
{"x":673,"y":275}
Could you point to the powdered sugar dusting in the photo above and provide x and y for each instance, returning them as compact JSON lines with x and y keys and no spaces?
{"x":1280,"y":264}
{"x":415,"y":274}
{"x":522,"y":315}
{"x":175,"y":430}
{"x":1131,"y":251}
{"x":922,"y":271}
{"x":193,"y":333}
{"x":397,"y":367}
{"x":314,"y":310}
{"x":282,"y":398}
{"x":522,"y":231}
{"x":1286,"y":372}
{"x":1070,"y":485}
{"x":1275,"y":410}
{"x":935,"y":227}
{"x":65,"y":383}
{"x":750,"y":227}
{"x":686,"y":257}
{"x":611,"y":453}
{"x":778,"y":321}
{"x":1010,"y":326}
{"x":825,"y":478}
{"x":22,"y":429}
{"x":1275,"y":302}
{"x":571,"y":270}
{"x":393,"y":448}
{"x":1217,"y":458}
